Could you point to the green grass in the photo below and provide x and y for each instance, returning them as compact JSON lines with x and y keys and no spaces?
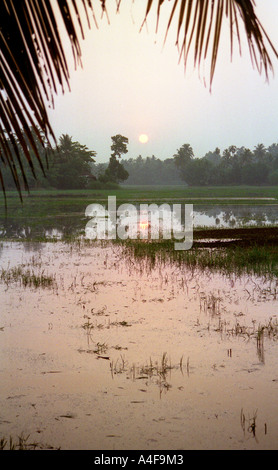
{"x":26,"y":277}
{"x":259,"y":259}
{"x":73,"y":198}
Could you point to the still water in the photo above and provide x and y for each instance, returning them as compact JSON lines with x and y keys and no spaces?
{"x":102,"y":351}
{"x":212,"y":216}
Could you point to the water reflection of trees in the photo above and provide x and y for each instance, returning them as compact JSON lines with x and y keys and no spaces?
{"x":67,"y":227}
{"x":32,"y":246}
{"x":232,"y":216}
{"x":27,"y":229}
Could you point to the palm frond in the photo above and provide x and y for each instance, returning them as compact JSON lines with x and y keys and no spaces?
{"x":33,"y":63}
{"x":32,"y":67}
{"x":199,"y":26}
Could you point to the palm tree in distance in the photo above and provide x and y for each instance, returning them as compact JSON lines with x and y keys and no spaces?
{"x":33,"y":63}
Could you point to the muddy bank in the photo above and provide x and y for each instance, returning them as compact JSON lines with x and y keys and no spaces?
{"x":217,"y":238}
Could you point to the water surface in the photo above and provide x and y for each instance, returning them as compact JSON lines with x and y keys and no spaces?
{"x":121,"y":354}
{"x":68,"y":225}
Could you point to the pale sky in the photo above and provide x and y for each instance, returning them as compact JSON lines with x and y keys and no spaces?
{"x":130,"y":84}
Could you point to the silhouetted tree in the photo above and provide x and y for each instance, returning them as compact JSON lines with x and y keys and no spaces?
{"x":214,"y":157}
{"x":70,"y":164}
{"x":115,"y":171}
{"x":182,"y":159}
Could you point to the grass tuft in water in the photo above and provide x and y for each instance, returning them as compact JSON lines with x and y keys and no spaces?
{"x":26,"y":278}
{"x":22,"y":442}
{"x":153,"y":371}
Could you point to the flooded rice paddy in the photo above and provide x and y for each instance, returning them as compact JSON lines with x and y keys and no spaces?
{"x":102,"y":351}
{"x":68,"y":224}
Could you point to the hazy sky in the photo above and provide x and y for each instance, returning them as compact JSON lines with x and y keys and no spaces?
{"x":130,"y":84}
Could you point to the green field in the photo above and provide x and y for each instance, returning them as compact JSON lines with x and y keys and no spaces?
{"x":46,"y":202}
{"x":161,"y":191}
{"x":67,"y":203}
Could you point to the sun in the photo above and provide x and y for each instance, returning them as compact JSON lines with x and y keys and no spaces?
{"x":143,"y":138}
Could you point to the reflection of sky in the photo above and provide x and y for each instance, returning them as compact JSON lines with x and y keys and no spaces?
{"x":227,"y":216}
{"x":235,"y":217}
{"x":163,"y":222}
{"x":205,"y":220}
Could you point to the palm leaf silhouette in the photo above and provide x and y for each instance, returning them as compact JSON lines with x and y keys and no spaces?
{"x":33,"y":63}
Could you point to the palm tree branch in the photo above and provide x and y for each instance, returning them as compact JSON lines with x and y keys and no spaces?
{"x":199,"y":26}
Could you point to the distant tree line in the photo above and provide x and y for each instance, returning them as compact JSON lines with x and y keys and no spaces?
{"x":235,"y":166}
{"x":147,"y":171}
{"x":71,"y":165}
{"x":152,"y":170}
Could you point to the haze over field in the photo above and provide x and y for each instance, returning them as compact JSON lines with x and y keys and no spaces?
{"x":132,"y":85}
